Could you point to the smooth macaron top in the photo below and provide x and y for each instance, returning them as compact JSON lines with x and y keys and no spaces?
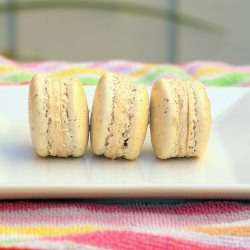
{"x":180,"y":118}
{"x":58,"y":116}
{"x":119,"y":117}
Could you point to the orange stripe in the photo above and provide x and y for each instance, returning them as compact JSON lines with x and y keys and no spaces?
{"x":226,"y":230}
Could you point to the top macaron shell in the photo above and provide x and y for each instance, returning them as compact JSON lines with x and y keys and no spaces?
{"x":58,"y":116}
{"x":38,"y":120}
{"x":119,"y":117}
{"x":164,"y":119}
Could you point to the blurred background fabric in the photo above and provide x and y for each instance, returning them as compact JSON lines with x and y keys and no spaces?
{"x":135,"y":30}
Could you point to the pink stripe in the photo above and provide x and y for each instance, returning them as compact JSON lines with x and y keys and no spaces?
{"x":190,"y":208}
{"x":125,"y":240}
{"x":116,"y":66}
{"x":90,"y":215}
{"x":193,"y":67}
{"x":20,"y":248}
{"x":49,"y":217}
{"x":98,"y":64}
{"x":140,"y":220}
{"x":27,"y":64}
{"x":124,"y":68}
{"x":20,"y":64}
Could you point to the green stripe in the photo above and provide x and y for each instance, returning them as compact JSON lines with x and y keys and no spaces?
{"x":27,"y":77}
{"x":20,"y":77}
{"x":14,"y":240}
{"x":230,"y":79}
{"x":89,"y":81}
{"x":163,"y":70}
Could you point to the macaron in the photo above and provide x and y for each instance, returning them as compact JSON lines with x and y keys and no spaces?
{"x":119,"y":117}
{"x":180,"y":118}
{"x":58,"y":116}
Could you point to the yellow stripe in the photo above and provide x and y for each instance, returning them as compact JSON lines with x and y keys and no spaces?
{"x":76,"y":71}
{"x":48,"y":230}
{"x":208,"y":71}
{"x":143,"y":70}
{"x":7,"y":69}
{"x":234,"y":230}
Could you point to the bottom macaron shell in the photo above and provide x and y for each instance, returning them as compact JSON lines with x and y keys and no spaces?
{"x":199,"y":119}
{"x":79,"y":118}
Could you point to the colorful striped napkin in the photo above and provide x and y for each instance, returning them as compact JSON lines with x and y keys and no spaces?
{"x":127,"y":225}
{"x":210,"y":73}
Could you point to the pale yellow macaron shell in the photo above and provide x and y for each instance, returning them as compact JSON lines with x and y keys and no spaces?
{"x":139,"y":123}
{"x":101,"y":113}
{"x":164,"y":119}
{"x":38,"y":119}
{"x":79,"y":117}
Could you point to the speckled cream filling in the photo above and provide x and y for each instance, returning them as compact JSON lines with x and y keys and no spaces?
{"x":183,"y":120}
{"x":177,"y":131}
{"x":66,"y":132}
{"x":127,"y":111}
{"x":59,"y":137}
{"x":110,"y":147}
{"x":193,"y":122}
{"x":123,"y":100}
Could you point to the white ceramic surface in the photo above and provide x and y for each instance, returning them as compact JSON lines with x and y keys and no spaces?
{"x":223,"y":172}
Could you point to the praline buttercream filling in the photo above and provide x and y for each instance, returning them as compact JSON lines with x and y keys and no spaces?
{"x":176,"y":123}
{"x":58,"y":122}
{"x":129,"y":104}
{"x":183,"y":121}
{"x":66,"y":132}
{"x":46,"y":108}
{"x":192,"y":122}
{"x":123,"y":98}
{"x":109,"y":141}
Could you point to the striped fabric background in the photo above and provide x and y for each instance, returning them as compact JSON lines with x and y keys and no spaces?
{"x":210,"y":73}
{"x":155,"y":224}
{"x":125,"y":224}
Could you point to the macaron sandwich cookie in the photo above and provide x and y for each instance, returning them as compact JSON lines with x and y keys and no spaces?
{"x":180,"y":118}
{"x":58,"y":116}
{"x":119,"y":117}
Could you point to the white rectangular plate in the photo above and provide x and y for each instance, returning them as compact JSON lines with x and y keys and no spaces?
{"x":223,"y":172}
